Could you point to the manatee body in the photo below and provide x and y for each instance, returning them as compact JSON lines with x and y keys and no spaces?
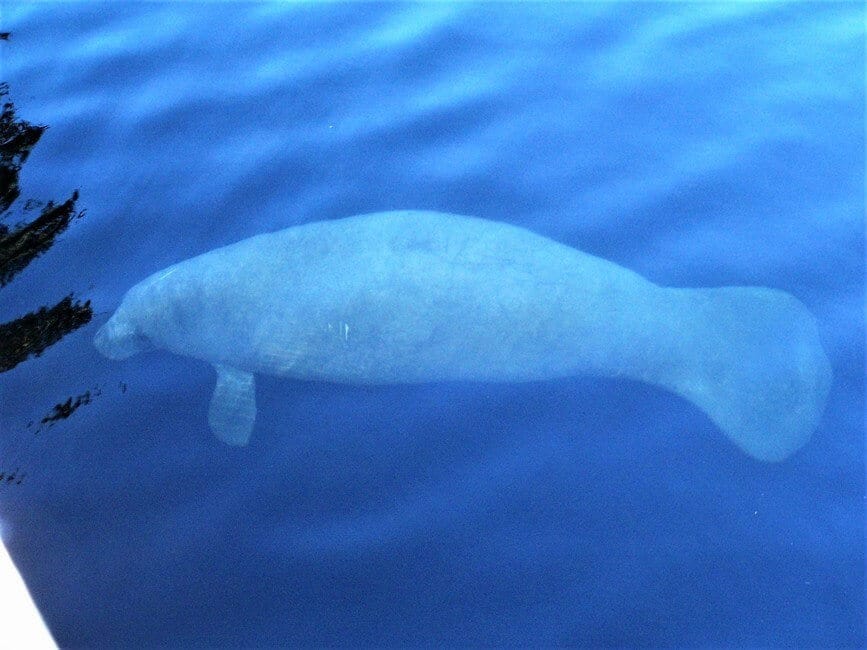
{"x":413,"y":296}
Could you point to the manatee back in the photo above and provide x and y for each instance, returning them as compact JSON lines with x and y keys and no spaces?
{"x":421,"y":296}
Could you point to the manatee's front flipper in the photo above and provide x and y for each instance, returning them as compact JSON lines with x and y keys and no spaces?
{"x":233,"y":405}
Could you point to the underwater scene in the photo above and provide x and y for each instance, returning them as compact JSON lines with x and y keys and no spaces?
{"x":449,"y":324}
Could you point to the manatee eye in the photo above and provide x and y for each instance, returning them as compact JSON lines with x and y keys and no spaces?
{"x":141,"y":341}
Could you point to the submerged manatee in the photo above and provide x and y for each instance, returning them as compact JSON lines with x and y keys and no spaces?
{"x":412,"y":296}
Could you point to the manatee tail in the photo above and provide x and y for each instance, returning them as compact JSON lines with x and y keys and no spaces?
{"x":753,"y":361}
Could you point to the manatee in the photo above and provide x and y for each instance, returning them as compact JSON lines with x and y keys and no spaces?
{"x":416,"y":296}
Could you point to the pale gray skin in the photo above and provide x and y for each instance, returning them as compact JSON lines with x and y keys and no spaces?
{"x":413,"y":296}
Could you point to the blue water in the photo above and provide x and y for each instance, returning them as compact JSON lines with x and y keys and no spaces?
{"x":698,"y":144}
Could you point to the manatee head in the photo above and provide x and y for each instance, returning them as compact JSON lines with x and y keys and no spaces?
{"x":131,"y":329}
{"x":121,"y":336}
{"x":171,"y":310}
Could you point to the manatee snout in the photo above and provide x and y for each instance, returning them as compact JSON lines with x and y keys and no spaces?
{"x":118,"y":340}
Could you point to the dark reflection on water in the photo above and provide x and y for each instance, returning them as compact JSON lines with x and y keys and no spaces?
{"x":33,"y":333}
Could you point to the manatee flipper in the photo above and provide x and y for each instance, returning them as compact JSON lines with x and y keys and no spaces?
{"x":233,"y":405}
